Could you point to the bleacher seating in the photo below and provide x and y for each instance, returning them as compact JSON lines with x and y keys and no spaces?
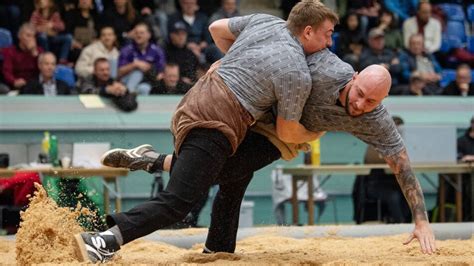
{"x":470,"y":13}
{"x":335,"y":42}
{"x":454,"y":12}
{"x":66,"y":74}
{"x":5,"y":38}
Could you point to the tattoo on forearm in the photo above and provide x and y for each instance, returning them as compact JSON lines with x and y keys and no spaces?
{"x":409,"y":184}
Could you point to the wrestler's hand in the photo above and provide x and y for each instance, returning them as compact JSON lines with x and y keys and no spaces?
{"x":425,"y":236}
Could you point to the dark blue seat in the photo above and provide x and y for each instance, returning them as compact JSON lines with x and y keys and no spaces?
{"x":453,"y":11}
{"x":5,"y":38}
{"x":470,"y":13}
{"x":447,"y":75}
{"x":66,"y":74}
{"x":456,"y":30}
{"x":335,"y":42}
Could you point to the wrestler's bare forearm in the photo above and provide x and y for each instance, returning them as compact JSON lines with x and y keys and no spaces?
{"x":400,"y":165}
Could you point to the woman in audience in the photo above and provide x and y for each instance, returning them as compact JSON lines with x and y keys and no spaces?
{"x":49,"y":25}
{"x":122,"y":16}
{"x":393,"y":35}
{"x":105,"y":47}
{"x":82,"y":24}
{"x":352,"y":40}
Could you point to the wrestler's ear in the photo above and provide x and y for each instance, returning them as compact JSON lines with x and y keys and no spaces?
{"x":308,"y":32}
{"x":355,"y":75}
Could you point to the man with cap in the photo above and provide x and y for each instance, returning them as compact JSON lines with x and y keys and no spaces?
{"x":376,"y":53}
{"x":177,"y":52}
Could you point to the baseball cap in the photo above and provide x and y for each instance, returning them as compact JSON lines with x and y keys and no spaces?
{"x":177,"y":26}
{"x":375,"y":32}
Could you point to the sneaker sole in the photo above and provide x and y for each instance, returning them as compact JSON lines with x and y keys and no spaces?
{"x":114,"y":150}
{"x":81,"y":252}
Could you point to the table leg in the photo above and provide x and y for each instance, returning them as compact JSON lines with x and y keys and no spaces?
{"x":118,"y":196}
{"x":294,"y":199}
{"x":106,"y":198}
{"x":442,"y":199}
{"x":459,"y":198}
{"x":310,"y":201}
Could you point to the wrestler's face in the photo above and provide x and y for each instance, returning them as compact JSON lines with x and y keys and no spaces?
{"x":365,"y":94}
{"x":316,"y":39}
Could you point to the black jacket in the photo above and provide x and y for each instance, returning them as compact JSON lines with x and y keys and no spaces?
{"x":35,"y":87}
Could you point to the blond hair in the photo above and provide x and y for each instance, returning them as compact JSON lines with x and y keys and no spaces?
{"x":309,"y":13}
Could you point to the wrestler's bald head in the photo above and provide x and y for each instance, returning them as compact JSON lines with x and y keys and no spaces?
{"x":377,"y":81}
{"x":367,"y":90}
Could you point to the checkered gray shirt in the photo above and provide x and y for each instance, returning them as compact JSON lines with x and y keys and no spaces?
{"x":265,"y":66}
{"x":330,"y":75}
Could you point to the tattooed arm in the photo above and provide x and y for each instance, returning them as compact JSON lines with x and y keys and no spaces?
{"x":400,"y":165}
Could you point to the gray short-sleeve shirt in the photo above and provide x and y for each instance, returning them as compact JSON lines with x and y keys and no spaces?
{"x":265,"y":66}
{"x":321,"y":112}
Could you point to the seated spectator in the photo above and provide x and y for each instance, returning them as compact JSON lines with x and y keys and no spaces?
{"x":49,"y":25}
{"x":20,"y":62}
{"x":177,"y":52}
{"x":81,"y":23}
{"x":416,"y":60}
{"x":105,"y":47}
{"x":463,"y":84}
{"x":145,"y":8}
{"x":368,"y":12}
{"x":402,"y":9}
{"x":101,"y":82}
{"x":393,"y":35}
{"x":228,"y":9}
{"x":382,"y":187}
{"x":423,"y":23}
{"x":416,"y":86}
{"x":140,"y":62}
{"x":122,"y":16}
{"x":376,"y":53}
{"x":46,"y":84}
{"x":171,"y":82}
{"x":351,"y":40}
{"x":199,"y":38}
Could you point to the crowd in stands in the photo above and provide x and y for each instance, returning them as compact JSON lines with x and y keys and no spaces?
{"x":118,"y":47}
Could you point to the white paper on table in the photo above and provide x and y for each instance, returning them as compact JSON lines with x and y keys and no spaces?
{"x":91,"y":101}
{"x":88,"y":154}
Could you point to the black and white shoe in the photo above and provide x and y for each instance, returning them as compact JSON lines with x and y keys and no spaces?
{"x":133,"y":159}
{"x":95,"y":247}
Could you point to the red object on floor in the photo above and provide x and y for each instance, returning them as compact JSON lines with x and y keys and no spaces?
{"x":22,"y":185}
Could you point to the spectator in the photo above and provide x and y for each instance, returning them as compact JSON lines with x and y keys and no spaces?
{"x":463,"y":85}
{"x":141,"y":62}
{"x":351,"y":40}
{"x":122,"y":16}
{"x":425,"y":25}
{"x":368,"y":12}
{"x":46,"y":84}
{"x":82,"y":24}
{"x":171,"y":82}
{"x":20,"y":63}
{"x":145,"y":8}
{"x":228,"y":10}
{"x":416,"y":60}
{"x":199,"y":38}
{"x":49,"y":25}
{"x":376,"y":53}
{"x":393,"y":35}
{"x":416,"y":86}
{"x":465,"y":148}
{"x":105,"y":47}
{"x":382,"y":187}
{"x":101,"y":82}
{"x":177,"y":52}
{"x":402,"y":9}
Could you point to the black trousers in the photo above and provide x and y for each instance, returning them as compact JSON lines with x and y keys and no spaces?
{"x":204,"y":159}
